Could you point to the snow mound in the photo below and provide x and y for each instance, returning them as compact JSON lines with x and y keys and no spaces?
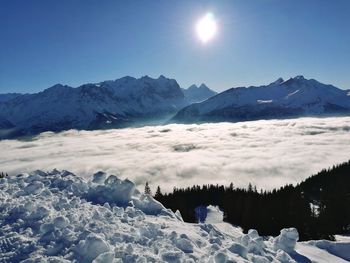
{"x":59,"y":217}
{"x":214,"y":215}
{"x":287,"y":240}
{"x":121,"y":193}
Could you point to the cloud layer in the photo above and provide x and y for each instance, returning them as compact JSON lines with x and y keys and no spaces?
{"x":266,"y":153}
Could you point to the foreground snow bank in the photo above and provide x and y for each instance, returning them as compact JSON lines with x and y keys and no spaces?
{"x":59,"y":217}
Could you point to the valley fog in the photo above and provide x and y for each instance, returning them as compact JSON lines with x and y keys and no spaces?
{"x":267,"y":153}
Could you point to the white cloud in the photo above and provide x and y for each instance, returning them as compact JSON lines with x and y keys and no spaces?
{"x":267,"y":153}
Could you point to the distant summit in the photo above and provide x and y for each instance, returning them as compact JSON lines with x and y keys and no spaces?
{"x":281,"y":99}
{"x":278,"y":81}
{"x":197,"y":94}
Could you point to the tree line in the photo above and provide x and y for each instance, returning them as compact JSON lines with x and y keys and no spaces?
{"x":2,"y":174}
{"x":319,"y":207}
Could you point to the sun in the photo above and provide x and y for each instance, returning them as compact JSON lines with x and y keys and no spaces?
{"x":206,"y":27}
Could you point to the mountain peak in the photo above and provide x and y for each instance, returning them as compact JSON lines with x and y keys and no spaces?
{"x":196,"y":93}
{"x":296,"y":97}
{"x":57,"y":87}
{"x":203,"y":86}
{"x":146,"y":77}
{"x":296,"y":80}
{"x":193,"y":86}
{"x":299,"y":77}
{"x":278,"y":81}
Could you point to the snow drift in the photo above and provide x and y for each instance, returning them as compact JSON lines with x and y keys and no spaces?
{"x":59,"y":217}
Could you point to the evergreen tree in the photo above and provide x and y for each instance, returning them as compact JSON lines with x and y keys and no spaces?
{"x":147,"y":189}
{"x":158,"y":193}
{"x":250,"y":187}
{"x":270,"y":211}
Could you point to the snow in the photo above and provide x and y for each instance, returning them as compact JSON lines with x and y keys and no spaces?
{"x":214,"y":215}
{"x":340,"y":249}
{"x":264,"y":101}
{"x":92,"y":106}
{"x":195,"y":94}
{"x":287,"y":240}
{"x":295,"y":97}
{"x":292,"y":93}
{"x":342,"y":238}
{"x":59,"y":217}
{"x":315,"y":254}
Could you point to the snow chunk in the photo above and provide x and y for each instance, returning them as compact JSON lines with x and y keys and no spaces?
{"x":60,"y":222}
{"x":283,"y":257}
{"x":34,"y":188}
{"x":214,"y":215}
{"x":148,"y":204}
{"x":286,"y":240}
{"x":171,"y":256}
{"x":99,"y":177}
{"x":238,"y":249}
{"x":178,"y":215}
{"x":107,"y":257}
{"x":91,"y":247}
{"x":112,"y":191}
{"x":184,"y":244}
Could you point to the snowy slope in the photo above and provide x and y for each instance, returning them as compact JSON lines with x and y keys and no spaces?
{"x":59,"y":217}
{"x":108,"y":104}
{"x":197,"y":94}
{"x":294,"y":97}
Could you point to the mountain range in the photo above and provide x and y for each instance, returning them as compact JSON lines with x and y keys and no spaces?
{"x":294,"y":97}
{"x":110,"y":104}
{"x":129,"y":101}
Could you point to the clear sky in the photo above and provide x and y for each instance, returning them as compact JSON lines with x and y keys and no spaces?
{"x":74,"y":42}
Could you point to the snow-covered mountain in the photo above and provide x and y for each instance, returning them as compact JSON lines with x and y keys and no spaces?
{"x":129,"y":101}
{"x":197,"y":94}
{"x":60,"y":217}
{"x":292,"y":98}
{"x":117,"y":103}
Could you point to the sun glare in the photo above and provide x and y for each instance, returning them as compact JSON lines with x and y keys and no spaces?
{"x":206,"y":27}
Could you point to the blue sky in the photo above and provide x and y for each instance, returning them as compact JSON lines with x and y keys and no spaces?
{"x":74,"y":42}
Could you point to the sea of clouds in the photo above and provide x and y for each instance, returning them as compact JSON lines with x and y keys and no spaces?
{"x":267,"y":153}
